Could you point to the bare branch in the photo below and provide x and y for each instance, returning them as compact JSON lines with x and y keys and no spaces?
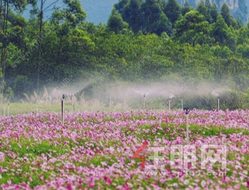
{"x":50,"y":4}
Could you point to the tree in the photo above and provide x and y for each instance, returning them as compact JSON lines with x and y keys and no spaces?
{"x":172,"y":10}
{"x":223,"y":34}
{"x":214,"y":12}
{"x":163,"y":25}
{"x":120,"y":6}
{"x":66,"y":23}
{"x":192,"y":28}
{"x":243,"y":36}
{"x":131,"y":14}
{"x":219,"y":31}
{"x":38,"y":10}
{"x":186,"y":8}
{"x":241,"y":12}
{"x":208,"y":4}
{"x":225,"y":12}
{"x":5,"y":9}
{"x":205,"y":8}
{"x":150,"y":14}
{"x":115,"y":22}
{"x":202,"y":8}
{"x":243,"y":50}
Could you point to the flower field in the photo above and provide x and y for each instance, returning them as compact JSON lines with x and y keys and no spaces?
{"x":95,"y":150}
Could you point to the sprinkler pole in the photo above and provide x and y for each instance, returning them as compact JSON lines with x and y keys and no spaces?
{"x":187,"y":130}
{"x":182,"y":103}
{"x":218,"y":103}
{"x":144,"y":101}
{"x":62,"y":109}
{"x":169,"y":104}
{"x":170,"y":97}
{"x":218,"y":99}
{"x":186,"y":112}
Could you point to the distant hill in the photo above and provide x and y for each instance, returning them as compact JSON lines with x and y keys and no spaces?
{"x":234,"y":6}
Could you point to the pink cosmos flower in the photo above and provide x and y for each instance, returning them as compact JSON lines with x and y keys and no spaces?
{"x":91,"y":184}
{"x":69,"y":187}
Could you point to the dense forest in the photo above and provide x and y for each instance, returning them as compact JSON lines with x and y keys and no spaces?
{"x":142,"y":42}
{"x":99,"y":10}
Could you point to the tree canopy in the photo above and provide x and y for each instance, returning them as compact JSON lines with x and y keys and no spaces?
{"x":150,"y":40}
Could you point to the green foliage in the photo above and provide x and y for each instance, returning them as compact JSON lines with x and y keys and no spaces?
{"x":163,"y":25}
{"x":132,"y":14}
{"x":21,"y":84}
{"x":242,"y":11}
{"x":186,"y":8}
{"x":172,"y":10}
{"x":192,"y":28}
{"x":150,"y":41}
{"x":214,"y":12}
{"x":9,"y":94}
{"x":225,"y":12}
{"x":220,"y":31}
{"x":115,"y":22}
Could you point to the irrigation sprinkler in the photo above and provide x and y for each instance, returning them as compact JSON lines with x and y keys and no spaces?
{"x":62,"y":108}
{"x":182,"y":103}
{"x":218,"y":99}
{"x":218,"y":103}
{"x":186,"y":113}
{"x":169,"y":104}
{"x":144,"y":96}
{"x":170,"y":97}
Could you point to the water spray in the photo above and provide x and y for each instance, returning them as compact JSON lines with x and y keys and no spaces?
{"x":186,"y":113}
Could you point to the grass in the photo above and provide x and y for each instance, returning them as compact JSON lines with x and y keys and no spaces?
{"x":24,"y":108}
